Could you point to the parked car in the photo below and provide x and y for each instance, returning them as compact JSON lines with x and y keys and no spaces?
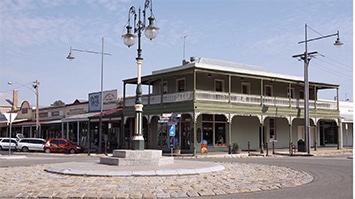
{"x":5,"y":142}
{"x":61,"y":145}
{"x":30,"y":144}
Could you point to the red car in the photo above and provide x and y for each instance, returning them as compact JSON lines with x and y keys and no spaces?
{"x":61,"y":145}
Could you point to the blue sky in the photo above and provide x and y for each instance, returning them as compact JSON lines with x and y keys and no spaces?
{"x":36,"y":36}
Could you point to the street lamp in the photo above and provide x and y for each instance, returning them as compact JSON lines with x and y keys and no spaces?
{"x":35,"y":85}
{"x":151,"y":32}
{"x":306,"y":57}
{"x":102,"y":53}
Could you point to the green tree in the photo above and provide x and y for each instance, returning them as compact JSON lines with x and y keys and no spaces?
{"x":58,"y":103}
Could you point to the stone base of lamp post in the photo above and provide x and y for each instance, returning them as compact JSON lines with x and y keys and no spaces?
{"x":121,"y":157}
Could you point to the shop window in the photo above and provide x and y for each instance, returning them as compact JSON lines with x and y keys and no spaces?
{"x":220,"y":118}
{"x":218,"y":85}
{"x":245,"y":88}
{"x":220,"y":129}
{"x":207,"y":132}
{"x":180,"y":85}
{"x":207,"y":117}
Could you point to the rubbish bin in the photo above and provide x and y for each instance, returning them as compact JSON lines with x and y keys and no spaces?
{"x":301,"y":146}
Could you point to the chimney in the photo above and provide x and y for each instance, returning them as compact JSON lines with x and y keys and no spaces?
{"x":14,"y":99}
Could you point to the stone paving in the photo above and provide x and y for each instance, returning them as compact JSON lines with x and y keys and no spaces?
{"x":34,"y":182}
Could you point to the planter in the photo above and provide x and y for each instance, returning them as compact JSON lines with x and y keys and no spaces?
{"x":236,"y":151}
{"x":177,"y":151}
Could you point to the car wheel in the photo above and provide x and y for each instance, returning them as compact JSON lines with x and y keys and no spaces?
{"x":47,"y":150}
{"x":71,"y":151}
{"x":24,"y":149}
{"x":0,"y":148}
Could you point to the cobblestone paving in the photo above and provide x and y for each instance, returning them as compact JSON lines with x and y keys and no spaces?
{"x":34,"y":182}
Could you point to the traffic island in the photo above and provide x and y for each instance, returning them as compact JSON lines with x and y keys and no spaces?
{"x":136,"y":158}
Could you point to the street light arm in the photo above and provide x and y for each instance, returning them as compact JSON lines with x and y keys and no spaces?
{"x":89,"y":51}
{"x":318,"y":38}
{"x":24,"y":85}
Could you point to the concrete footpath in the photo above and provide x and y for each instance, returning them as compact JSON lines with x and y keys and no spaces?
{"x":184,"y":179}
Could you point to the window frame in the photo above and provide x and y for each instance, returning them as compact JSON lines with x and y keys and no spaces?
{"x":164,"y":87}
{"x":222,"y":85}
{"x":247,"y":84}
{"x":271,"y":90}
{"x":178,"y":89}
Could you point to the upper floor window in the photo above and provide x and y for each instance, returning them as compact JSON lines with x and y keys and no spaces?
{"x":245,"y":88}
{"x":180,"y":85}
{"x":218,"y":85}
{"x":291,"y":92}
{"x":165,"y":87}
{"x":268,"y":90}
{"x":301,"y":94}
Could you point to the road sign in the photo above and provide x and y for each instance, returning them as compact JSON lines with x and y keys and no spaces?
{"x":172,"y":130}
{"x":171,"y":142}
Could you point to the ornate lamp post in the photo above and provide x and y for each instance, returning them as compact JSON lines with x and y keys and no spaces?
{"x":102,"y":53}
{"x":306,"y":57}
{"x":129,"y":39}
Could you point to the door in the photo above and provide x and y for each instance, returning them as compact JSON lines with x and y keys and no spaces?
{"x":185,"y":135}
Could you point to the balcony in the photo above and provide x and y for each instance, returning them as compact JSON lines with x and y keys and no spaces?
{"x":233,"y":98}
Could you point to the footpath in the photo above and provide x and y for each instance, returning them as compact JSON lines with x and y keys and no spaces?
{"x":186,"y":178}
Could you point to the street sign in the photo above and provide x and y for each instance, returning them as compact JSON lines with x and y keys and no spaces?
{"x":10,"y":117}
{"x":171,"y":142}
{"x":172,"y":130}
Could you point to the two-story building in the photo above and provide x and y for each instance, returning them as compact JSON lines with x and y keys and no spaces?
{"x":224,"y":102}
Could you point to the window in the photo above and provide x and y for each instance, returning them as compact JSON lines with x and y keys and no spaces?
{"x":245,"y":88}
{"x":218,"y":85}
{"x":180,"y":85}
{"x":165,"y":87}
{"x":301,"y":95}
{"x":291,"y":92}
{"x":220,"y":133}
{"x":268,"y":90}
{"x":272,"y":129}
{"x":207,"y":132}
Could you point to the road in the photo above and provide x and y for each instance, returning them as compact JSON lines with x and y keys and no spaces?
{"x":333,"y":176}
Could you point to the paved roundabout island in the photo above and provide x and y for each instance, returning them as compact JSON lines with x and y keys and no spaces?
{"x":185,"y":178}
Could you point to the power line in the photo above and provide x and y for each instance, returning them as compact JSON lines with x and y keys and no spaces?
{"x":332,"y":71}
{"x":340,"y":65}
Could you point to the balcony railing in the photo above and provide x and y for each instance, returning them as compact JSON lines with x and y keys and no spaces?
{"x":234,"y":98}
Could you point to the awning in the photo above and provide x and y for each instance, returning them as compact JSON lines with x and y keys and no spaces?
{"x":79,"y":118}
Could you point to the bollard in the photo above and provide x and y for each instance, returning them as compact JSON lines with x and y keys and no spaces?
{"x":290,"y":149}
{"x":248,"y":148}
{"x":267,"y":149}
{"x":273,"y":147}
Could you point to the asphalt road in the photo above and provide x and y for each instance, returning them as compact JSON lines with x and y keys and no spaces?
{"x":333,"y":178}
{"x":333,"y":175}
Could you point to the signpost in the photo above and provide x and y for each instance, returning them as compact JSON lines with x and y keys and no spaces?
{"x":172,"y":138}
{"x":10,"y":117}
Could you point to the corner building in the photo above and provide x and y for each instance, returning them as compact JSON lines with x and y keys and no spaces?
{"x":224,"y":102}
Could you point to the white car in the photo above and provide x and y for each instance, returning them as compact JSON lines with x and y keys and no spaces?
{"x":6,"y":142}
{"x":30,"y":144}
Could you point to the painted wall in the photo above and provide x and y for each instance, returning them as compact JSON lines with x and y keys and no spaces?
{"x":244,"y":129}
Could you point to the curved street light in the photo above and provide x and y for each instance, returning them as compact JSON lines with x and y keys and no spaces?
{"x":306,"y":57}
{"x":102,"y":53}
{"x":35,"y":85}
{"x":151,"y":32}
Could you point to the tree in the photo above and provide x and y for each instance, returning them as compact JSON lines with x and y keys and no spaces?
{"x":58,"y":103}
